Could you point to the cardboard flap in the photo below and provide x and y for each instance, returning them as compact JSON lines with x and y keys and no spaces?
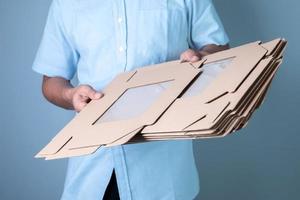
{"x":186,"y":111}
{"x":207,"y":99}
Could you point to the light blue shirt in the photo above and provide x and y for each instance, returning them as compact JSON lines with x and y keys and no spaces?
{"x":98,"y":39}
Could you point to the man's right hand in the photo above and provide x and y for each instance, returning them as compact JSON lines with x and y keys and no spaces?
{"x":60,"y":92}
{"x":81,"y":95}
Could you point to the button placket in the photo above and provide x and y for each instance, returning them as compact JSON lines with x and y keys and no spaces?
{"x":121,"y":28}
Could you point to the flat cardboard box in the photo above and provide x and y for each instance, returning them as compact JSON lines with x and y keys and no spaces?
{"x":210,"y":98}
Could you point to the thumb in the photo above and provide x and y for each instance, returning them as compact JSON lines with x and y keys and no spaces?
{"x":93,"y":94}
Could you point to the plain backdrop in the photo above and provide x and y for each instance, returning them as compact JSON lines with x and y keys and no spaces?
{"x":260,"y":162}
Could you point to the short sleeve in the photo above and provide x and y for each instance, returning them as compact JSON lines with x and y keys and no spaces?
{"x":56,"y":56}
{"x":205,"y":26}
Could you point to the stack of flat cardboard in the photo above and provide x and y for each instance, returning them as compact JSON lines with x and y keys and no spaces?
{"x":210,"y":98}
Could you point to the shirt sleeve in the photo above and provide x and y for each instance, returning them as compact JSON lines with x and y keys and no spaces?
{"x":56,"y":56}
{"x":205,"y":26}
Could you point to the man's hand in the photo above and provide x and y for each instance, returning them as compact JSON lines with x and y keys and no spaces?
{"x":80,"y":96}
{"x":60,"y":92}
{"x":191,"y":55}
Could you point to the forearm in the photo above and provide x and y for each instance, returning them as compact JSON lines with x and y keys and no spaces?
{"x":212,"y":48}
{"x":58,"y":91}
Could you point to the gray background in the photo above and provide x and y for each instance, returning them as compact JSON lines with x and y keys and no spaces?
{"x":261,"y":162}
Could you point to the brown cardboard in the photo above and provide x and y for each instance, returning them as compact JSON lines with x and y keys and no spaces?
{"x":240,"y":117}
{"x":210,"y":98}
{"x":83,"y":130}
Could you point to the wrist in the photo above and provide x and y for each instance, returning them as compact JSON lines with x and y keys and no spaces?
{"x":203,"y":53}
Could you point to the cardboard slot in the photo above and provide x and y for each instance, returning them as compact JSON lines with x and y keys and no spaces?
{"x":131,"y":76}
{"x":216,"y":98}
{"x":194,"y":122}
{"x":222,"y":111}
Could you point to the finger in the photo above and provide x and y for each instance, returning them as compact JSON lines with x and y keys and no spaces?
{"x":182,"y":58}
{"x":98,"y":95}
{"x":85,"y":99}
{"x":188,"y":56}
{"x":185,"y":56}
{"x":79,"y":106}
{"x":91,"y":93}
{"x":195,"y":59}
{"x":95,"y":95}
{"x":193,"y":56}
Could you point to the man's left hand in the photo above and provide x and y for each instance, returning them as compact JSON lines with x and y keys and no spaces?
{"x":190,"y":55}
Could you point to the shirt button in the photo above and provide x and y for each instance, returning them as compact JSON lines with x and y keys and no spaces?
{"x":120,"y":19}
{"x":121,"y":49}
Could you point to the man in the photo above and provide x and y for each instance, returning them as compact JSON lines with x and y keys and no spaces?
{"x":99,"y":39}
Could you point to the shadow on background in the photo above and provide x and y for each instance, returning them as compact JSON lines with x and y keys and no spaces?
{"x":262,"y":161}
